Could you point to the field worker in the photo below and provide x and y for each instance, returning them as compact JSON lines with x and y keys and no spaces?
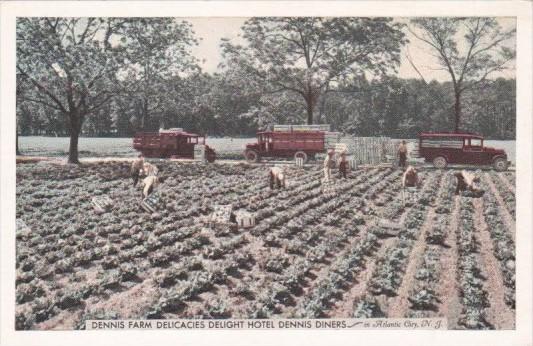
{"x":277,"y":177}
{"x":466,"y":181}
{"x":150,"y":183}
{"x":402,"y":154}
{"x":136,"y":167}
{"x":328,"y":164}
{"x":343,"y":165}
{"x":410,"y":179}
{"x":148,"y":169}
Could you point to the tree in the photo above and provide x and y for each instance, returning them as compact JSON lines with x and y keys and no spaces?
{"x":481,"y":52}
{"x":71,"y":62}
{"x":307,"y":55}
{"x":157,"y":54}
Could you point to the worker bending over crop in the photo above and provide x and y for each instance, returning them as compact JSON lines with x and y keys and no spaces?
{"x":136,"y":168}
{"x":277,"y":177}
{"x":410,"y":179}
{"x":150,"y":183}
{"x":466,"y":181}
{"x":329,"y":163}
{"x":148,"y":169}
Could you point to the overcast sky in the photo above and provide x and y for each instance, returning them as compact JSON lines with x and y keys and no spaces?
{"x":212,"y":29}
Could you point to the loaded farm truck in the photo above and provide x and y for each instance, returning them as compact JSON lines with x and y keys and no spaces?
{"x":298,"y":141}
{"x":173,"y":143}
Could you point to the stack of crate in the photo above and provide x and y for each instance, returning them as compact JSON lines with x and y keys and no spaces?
{"x":199,"y":153}
{"x":290,"y":128}
{"x":331,"y":139}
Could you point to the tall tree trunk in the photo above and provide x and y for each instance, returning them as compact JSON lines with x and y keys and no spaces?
{"x":75,"y":127}
{"x":17,"y":143}
{"x":457,"y":111}
{"x":309,"y":112}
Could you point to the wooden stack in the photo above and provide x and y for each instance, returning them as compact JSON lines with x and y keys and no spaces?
{"x":331,"y":139}
{"x":370,"y":150}
{"x":199,"y":152}
{"x":290,"y":128}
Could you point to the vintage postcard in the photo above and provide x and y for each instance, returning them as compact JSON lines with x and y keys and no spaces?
{"x":266,"y":173}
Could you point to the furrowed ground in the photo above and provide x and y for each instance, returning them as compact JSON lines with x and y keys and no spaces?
{"x":310,"y":255}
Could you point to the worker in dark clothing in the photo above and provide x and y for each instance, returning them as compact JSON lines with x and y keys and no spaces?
{"x":136,"y":167}
{"x":466,"y":181}
{"x":343,"y":165}
{"x":402,"y":154}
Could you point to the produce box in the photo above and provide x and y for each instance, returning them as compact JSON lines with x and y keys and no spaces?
{"x":101,"y":204}
{"x":221,"y":215}
{"x":245,"y":219}
{"x":151,"y":203}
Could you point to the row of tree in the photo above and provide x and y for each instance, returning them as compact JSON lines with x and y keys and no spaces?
{"x":114,"y":76}
{"x":391,"y":106}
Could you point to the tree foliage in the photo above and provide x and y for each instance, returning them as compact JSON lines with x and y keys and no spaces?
{"x":307,"y":55}
{"x":76,"y":66}
{"x":469,"y":49}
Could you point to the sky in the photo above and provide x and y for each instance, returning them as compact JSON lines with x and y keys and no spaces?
{"x":212,"y":29}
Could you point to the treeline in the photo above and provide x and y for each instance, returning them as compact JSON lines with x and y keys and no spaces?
{"x":220,"y":105}
{"x":116,"y":76}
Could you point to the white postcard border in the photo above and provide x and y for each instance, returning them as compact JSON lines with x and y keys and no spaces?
{"x":522,"y":10}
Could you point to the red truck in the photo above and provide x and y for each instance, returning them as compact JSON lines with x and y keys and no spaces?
{"x":290,"y":141}
{"x":174,"y":143}
{"x":442,"y":148}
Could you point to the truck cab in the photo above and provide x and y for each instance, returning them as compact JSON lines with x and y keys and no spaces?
{"x":172,"y":143}
{"x":443,"y":148}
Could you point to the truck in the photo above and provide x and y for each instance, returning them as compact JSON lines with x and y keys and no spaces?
{"x":173,"y":143}
{"x":298,"y":141}
{"x":443,"y":148}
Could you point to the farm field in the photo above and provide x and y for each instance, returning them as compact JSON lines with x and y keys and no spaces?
{"x":226,"y":147}
{"x":312,"y":254}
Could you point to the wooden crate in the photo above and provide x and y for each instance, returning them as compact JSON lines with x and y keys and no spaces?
{"x":245,"y":219}
{"x":101,"y":204}
{"x":151,"y":203}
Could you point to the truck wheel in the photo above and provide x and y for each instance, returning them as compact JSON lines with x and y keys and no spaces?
{"x":500,"y":164}
{"x":301,"y":155}
{"x":440,"y":162}
{"x":251,"y":156}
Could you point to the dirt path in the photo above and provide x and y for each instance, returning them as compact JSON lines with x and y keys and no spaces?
{"x":498,"y":313}
{"x":507,"y":183}
{"x":448,"y":292}
{"x":344,"y":308}
{"x":399,"y":305}
{"x":506,"y":216}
